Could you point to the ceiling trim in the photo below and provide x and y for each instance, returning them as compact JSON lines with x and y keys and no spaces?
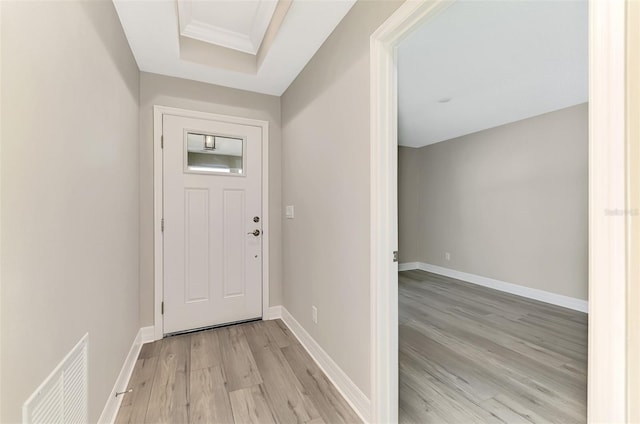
{"x":191,"y":27}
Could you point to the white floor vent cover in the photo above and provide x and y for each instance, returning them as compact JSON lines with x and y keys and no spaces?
{"x":62,"y":398}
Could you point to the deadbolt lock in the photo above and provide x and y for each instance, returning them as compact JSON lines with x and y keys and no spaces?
{"x":256,"y":219}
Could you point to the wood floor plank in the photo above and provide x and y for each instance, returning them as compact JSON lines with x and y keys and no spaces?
{"x":511,"y":404}
{"x":331,"y":406}
{"x":448,"y":405}
{"x":415,"y":407}
{"x":168,"y":402}
{"x":250,"y":406}
{"x":509,"y":325}
{"x":209,"y":400}
{"x":509,"y":369}
{"x":205,"y":350}
{"x":257,"y":336}
{"x":534,"y":335}
{"x":479,"y":348}
{"x":277,"y":334}
{"x":445,"y":364}
{"x":468,"y":351}
{"x":149,"y":350}
{"x":286,"y":331}
{"x":133,"y":407}
{"x":236,"y":374}
{"x":511,"y":332}
{"x":507,"y":414}
{"x":286,"y":396}
{"x":455,"y":318}
{"x":239,"y":364}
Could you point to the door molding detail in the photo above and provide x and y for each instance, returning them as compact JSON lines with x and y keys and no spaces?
{"x":158,"y":112}
{"x":384,"y":202}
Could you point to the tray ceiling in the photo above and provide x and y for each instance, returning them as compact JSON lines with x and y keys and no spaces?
{"x":255,"y":45}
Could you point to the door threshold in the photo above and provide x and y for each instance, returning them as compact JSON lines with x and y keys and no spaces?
{"x":210,"y":327}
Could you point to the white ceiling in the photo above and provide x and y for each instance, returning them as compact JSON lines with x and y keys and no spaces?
{"x":497,"y":62}
{"x":153,"y":31}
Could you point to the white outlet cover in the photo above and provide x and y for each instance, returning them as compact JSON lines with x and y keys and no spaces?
{"x":289,"y":212}
{"x":314,"y":314}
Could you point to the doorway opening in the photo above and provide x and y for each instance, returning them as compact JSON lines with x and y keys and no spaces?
{"x":607,"y":175}
{"x":493,"y":213}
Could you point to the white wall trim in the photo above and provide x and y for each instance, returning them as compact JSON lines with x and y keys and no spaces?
{"x":528,"y":292}
{"x":111,"y":407}
{"x":347,"y":388}
{"x":274,"y":312}
{"x":1,"y":349}
{"x":147,"y":334}
{"x":158,"y":112}
{"x":408,"y":266}
{"x":607,"y":371}
{"x":633,"y":202}
{"x":384,"y":202}
{"x":246,"y":42}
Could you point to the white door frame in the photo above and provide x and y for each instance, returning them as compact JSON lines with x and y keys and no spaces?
{"x":607,"y":234}
{"x":158,"y":113}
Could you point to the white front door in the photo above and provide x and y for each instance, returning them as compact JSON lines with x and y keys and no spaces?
{"x":212,"y":222}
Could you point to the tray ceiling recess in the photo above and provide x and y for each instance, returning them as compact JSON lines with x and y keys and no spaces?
{"x":254,"y":45}
{"x":237,"y":25}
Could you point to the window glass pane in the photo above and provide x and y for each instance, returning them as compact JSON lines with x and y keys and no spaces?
{"x":214,"y":153}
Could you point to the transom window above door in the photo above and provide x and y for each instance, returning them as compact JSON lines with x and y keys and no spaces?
{"x":213,"y":153}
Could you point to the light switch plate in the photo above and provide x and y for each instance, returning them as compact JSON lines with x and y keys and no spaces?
{"x":289,"y":212}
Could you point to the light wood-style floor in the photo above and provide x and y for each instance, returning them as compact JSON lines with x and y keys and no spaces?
{"x":248,"y":373}
{"x":469,"y":354}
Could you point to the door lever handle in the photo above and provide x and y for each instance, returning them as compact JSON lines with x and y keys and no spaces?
{"x":255,"y":233}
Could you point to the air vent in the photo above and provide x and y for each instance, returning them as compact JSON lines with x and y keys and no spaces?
{"x":62,"y":397}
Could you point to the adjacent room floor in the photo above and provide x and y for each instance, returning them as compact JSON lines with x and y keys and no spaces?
{"x":248,"y":373}
{"x":470,"y":354}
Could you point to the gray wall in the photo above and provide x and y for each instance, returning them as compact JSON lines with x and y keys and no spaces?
{"x":69,"y":195}
{"x":409,"y":163}
{"x":508,"y":203}
{"x":325,"y":153}
{"x":175,"y":92}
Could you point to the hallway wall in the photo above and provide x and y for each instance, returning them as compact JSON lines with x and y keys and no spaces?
{"x":326,"y":176}
{"x":69,"y":195}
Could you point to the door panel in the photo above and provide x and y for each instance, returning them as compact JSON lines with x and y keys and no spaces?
{"x":197,"y":253}
{"x":233,"y":243}
{"x":212,"y":192}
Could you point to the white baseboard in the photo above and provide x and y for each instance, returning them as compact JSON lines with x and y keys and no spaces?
{"x":108,"y":416}
{"x":408,"y":266}
{"x":541,"y":295}
{"x":274,"y":312}
{"x":351,"y":393}
{"x":147,"y":335}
